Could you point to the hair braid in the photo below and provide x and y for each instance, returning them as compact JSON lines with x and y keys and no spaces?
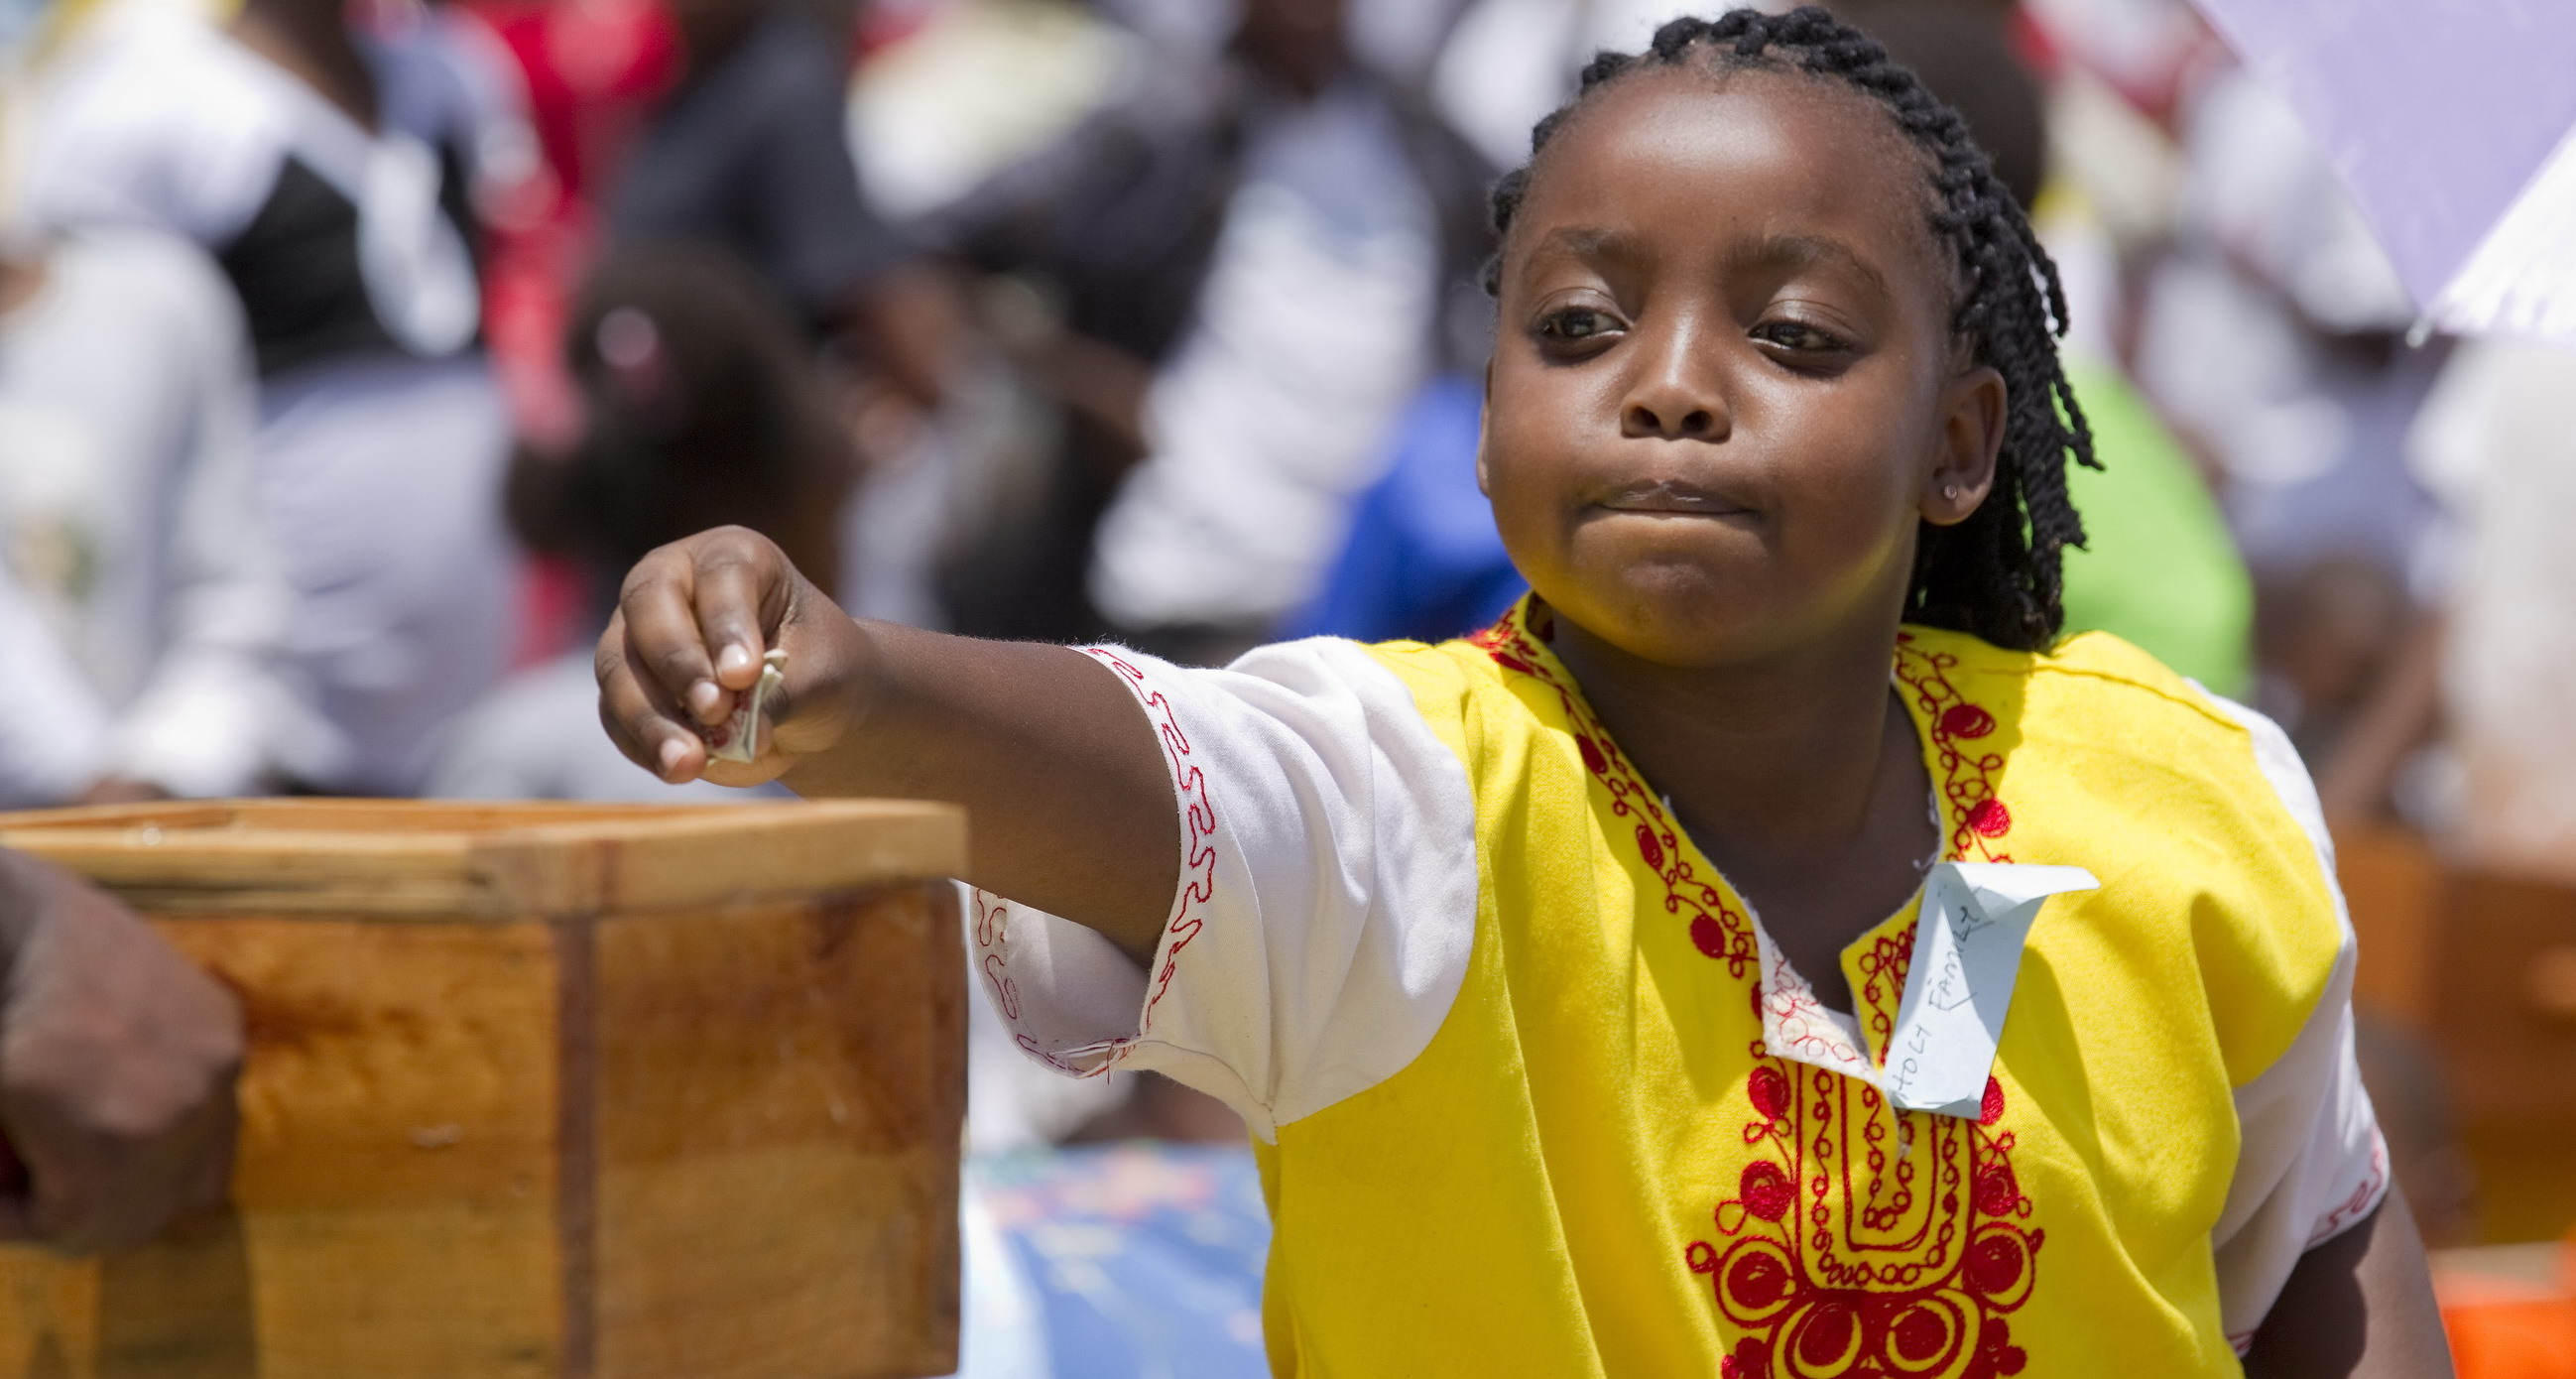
{"x":1997,"y":574}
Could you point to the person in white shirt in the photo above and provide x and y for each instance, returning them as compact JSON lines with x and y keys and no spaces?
{"x":1259,"y":261}
{"x":145,"y":610}
{"x":327,"y":171}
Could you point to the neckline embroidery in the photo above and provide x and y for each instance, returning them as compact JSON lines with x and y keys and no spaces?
{"x":1859,"y":1239}
{"x":1976,"y":823}
{"x":1718,"y":928}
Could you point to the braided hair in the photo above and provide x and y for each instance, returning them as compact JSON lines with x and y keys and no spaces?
{"x":1996,"y":574}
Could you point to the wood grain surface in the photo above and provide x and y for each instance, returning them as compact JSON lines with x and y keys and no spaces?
{"x":396,"y":859}
{"x":612,"y":1118}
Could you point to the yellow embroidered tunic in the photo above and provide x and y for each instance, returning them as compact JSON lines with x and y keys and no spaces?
{"x":1536,"y":1095}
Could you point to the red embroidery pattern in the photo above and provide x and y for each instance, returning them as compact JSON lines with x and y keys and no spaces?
{"x":992,"y":943}
{"x":1198,"y":849}
{"x":1715,"y":927}
{"x":1859,"y":1244}
{"x":1804,"y":1021}
{"x":1882,"y":976}
{"x":1841,"y":1255}
{"x":1978,"y":818}
{"x":992,"y":930}
{"x":2365,"y":1195}
{"x":1198,"y":883}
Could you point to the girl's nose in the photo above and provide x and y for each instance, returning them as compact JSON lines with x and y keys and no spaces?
{"x":1669,"y":419}
{"x":1676,"y":396}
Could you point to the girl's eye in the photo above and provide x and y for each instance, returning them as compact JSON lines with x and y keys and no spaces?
{"x":1797,"y":337}
{"x":1576,"y":324}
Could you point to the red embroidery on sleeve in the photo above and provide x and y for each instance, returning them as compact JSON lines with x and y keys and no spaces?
{"x":1198,"y":847}
{"x":993,"y":962}
{"x":1197,"y":883}
{"x":2365,"y":1195}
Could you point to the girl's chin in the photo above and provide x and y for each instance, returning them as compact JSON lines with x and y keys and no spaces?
{"x":1671,"y":616}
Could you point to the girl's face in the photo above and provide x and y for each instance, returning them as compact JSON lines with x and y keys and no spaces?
{"x":1725,"y":386}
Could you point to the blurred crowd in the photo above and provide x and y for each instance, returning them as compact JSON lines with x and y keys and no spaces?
{"x":351,"y":350}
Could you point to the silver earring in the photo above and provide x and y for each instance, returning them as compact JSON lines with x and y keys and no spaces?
{"x":1950,"y":491}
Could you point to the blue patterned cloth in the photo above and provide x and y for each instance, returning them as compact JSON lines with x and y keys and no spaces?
{"x":1126,"y":1261}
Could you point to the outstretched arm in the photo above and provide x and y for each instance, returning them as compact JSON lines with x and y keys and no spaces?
{"x":1072,"y":803}
{"x":2359,"y":1306}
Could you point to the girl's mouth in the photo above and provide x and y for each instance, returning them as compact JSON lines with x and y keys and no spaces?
{"x":1670,"y":498}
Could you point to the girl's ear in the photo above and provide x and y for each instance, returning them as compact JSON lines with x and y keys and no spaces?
{"x":1972,"y":434}
{"x":1484,"y":425}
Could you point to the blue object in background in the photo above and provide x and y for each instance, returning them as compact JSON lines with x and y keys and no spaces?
{"x":1124,"y":1261}
{"x":1423,"y":560}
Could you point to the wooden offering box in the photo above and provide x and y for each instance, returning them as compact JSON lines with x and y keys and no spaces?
{"x":538,"y":1091}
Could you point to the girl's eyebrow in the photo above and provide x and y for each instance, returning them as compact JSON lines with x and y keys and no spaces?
{"x":1593,"y":243}
{"x":1804,"y":251}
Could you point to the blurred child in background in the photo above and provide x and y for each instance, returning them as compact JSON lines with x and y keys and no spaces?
{"x":699,"y":406}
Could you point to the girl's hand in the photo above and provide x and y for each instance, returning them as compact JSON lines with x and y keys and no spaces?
{"x":1064,"y":777}
{"x":685,"y":647}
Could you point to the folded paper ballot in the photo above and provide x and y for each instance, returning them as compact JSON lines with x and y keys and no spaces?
{"x":742,"y":731}
{"x":1967,"y":955}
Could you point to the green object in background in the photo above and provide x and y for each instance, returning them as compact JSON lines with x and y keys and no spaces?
{"x":2158,"y":567}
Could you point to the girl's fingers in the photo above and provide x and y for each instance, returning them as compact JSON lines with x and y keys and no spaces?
{"x":641,"y":718}
{"x":685,"y":646}
{"x":663,"y":646}
{"x":731,"y":579}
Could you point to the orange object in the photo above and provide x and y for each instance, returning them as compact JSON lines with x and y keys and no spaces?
{"x":2510,"y":1328}
{"x":2527,"y":1338}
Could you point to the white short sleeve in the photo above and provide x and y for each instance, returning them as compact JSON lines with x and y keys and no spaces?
{"x":2311,"y":1163}
{"x":1327,"y":899}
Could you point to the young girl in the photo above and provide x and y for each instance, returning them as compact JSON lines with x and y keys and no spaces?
{"x":1570,"y":976}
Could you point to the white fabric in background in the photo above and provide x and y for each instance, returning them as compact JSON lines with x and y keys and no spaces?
{"x":160,"y":120}
{"x":1506,"y":66}
{"x":1311,"y":333}
{"x":55,"y":734}
{"x":2497,"y":441}
{"x":126,"y":519}
{"x":382,"y":482}
{"x":2236,"y":347}
{"x":378,"y":477}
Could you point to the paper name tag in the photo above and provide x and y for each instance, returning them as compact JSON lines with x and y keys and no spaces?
{"x":1967,"y":955}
